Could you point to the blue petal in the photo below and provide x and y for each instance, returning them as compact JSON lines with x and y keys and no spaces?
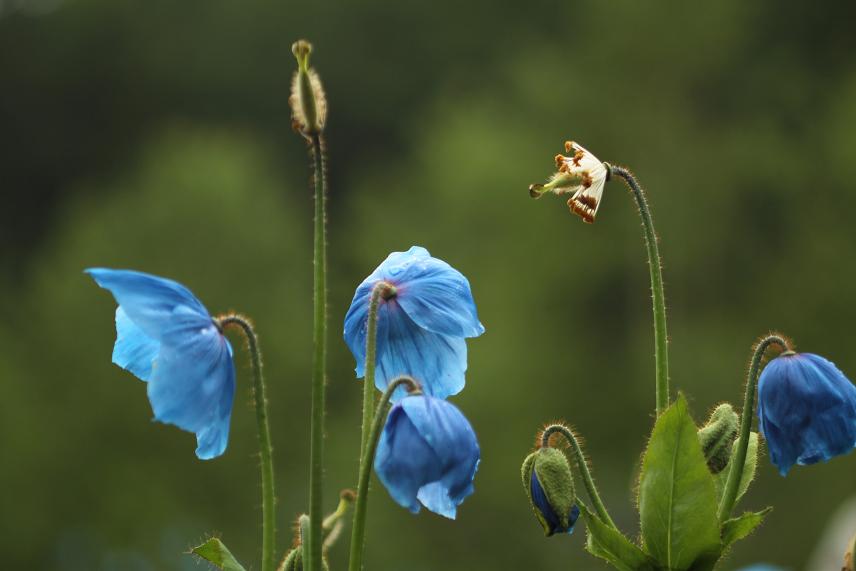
{"x":438,"y":362}
{"x":150,"y":301}
{"x":806,"y":410}
{"x":573,"y":515}
{"x":436,"y":296}
{"x":450,"y":436}
{"x":539,"y":498}
{"x":427,"y":453}
{"x":356,"y":322}
{"x":193,"y":386}
{"x":404,"y":461}
{"x":134,"y":351}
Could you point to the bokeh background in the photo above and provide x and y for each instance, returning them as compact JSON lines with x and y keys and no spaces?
{"x":156,"y":135}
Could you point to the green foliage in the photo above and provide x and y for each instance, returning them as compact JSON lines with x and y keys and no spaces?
{"x":611,"y":545}
{"x":748,"y":470}
{"x":218,"y":555}
{"x":677,"y":499}
{"x":738,"y":528}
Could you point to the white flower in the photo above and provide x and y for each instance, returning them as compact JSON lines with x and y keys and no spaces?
{"x":582,"y":176}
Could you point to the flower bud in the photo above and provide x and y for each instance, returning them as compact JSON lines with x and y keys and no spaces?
{"x":308,"y":102}
{"x":550,"y":487}
{"x":717,"y":435}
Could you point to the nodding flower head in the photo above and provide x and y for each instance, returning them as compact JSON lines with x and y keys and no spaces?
{"x":165,"y":336}
{"x":428,"y":454}
{"x":806,"y":410}
{"x":580,"y":175}
{"x":425,"y":314}
{"x":549,"y":485}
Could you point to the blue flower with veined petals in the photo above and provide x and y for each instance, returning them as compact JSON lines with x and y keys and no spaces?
{"x":165,"y":336}
{"x":428,"y":454}
{"x":421,"y":329}
{"x":806,"y":410}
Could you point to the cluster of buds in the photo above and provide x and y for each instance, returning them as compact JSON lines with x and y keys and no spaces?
{"x":580,"y":175}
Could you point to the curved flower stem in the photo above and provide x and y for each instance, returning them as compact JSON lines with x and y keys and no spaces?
{"x":735,"y":471}
{"x":582,"y":464}
{"x":265,"y":448}
{"x":381,"y":290}
{"x":319,"y":361}
{"x":358,"y":529}
{"x":655,"y":267}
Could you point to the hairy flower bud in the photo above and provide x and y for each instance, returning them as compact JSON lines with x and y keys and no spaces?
{"x":308,"y":102}
{"x":549,"y":485}
{"x":717,"y":435}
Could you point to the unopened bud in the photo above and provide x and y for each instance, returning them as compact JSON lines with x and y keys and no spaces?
{"x":549,"y":485}
{"x":717,"y":436}
{"x":308,"y":102}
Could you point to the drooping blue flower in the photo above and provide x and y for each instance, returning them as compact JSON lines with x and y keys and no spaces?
{"x":166,"y":337}
{"x":428,"y":454}
{"x":806,"y":410}
{"x":421,"y":329}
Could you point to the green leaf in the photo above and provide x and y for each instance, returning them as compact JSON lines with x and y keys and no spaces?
{"x":677,"y":497}
{"x":612,"y":546}
{"x":218,"y":555}
{"x":748,"y":469}
{"x":737,"y":528}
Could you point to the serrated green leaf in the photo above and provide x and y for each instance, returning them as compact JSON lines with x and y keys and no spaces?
{"x":218,"y":555}
{"x":748,"y":469}
{"x":737,"y":528}
{"x":677,"y":496}
{"x":613,"y":546}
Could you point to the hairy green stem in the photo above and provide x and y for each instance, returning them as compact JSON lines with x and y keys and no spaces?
{"x":358,"y":529}
{"x":655,"y":267}
{"x":583,"y":466}
{"x":265,"y":447}
{"x":319,"y":361}
{"x":735,"y":472}
{"x":381,"y":290}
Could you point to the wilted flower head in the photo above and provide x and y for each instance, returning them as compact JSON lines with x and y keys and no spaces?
{"x":581,"y":175}
{"x":428,"y":454}
{"x":549,"y":485}
{"x":806,"y":410}
{"x":422,"y":322}
{"x":165,"y":336}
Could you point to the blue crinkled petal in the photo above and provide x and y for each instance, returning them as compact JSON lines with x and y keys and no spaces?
{"x":134,"y":351}
{"x":573,"y":515}
{"x":193,"y":385}
{"x":356,"y":322}
{"x":453,"y":440}
{"x":806,"y":410}
{"x":436,"y":296}
{"x":150,"y":301}
{"x":404,"y":461}
{"x":438,"y":362}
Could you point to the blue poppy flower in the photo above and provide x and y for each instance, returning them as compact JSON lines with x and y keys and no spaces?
{"x":165,"y":336}
{"x":421,"y":329}
{"x":806,"y":410}
{"x":428,"y":454}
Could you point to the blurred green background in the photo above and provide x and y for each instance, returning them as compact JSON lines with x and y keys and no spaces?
{"x":156,"y":135}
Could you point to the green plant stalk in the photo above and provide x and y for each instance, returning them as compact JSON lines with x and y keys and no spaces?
{"x":735,"y":471}
{"x":655,"y":267}
{"x":379,"y":290}
{"x":265,"y":447}
{"x":358,"y":529}
{"x":583,"y":467}
{"x":319,"y":361}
